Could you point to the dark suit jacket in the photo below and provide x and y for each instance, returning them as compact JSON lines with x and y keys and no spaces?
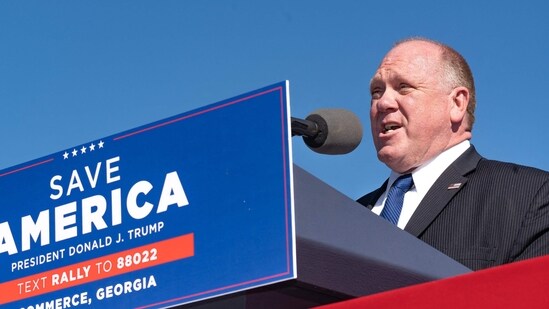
{"x":499,"y":213}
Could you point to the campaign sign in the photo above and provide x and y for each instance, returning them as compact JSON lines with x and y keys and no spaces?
{"x":186,"y":208}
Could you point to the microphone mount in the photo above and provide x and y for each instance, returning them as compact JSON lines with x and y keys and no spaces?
{"x":303,"y":127}
{"x":313,"y":129}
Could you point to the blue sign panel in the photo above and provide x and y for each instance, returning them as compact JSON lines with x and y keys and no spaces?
{"x":183,"y":209}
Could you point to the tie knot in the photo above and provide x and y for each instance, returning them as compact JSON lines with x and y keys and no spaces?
{"x":404,"y":182}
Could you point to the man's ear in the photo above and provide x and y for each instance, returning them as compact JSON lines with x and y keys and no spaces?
{"x":460,"y":101}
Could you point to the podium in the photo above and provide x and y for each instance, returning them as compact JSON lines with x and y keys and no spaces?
{"x":159,"y":216}
{"x":343,"y":251}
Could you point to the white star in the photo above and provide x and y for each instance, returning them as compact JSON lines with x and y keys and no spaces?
{"x":92,"y":147}
{"x":65,"y":155}
{"x":83,"y":149}
{"x":74,"y":152}
{"x":100,"y":144}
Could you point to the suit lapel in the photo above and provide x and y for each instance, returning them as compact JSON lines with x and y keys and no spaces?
{"x":369,"y":200}
{"x":450,"y":182}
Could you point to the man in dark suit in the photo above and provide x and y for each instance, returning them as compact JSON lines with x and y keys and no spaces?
{"x":480,"y":212}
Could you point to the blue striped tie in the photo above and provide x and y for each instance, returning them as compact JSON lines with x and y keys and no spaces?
{"x":395,"y":198}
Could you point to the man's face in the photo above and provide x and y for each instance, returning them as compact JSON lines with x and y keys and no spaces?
{"x":410,"y":107}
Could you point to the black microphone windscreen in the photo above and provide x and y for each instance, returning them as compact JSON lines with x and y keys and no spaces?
{"x":340,"y":131}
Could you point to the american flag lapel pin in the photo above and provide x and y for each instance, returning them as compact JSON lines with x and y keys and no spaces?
{"x":453,"y":186}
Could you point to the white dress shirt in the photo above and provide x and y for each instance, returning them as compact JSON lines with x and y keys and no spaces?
{"x":424,"y":177}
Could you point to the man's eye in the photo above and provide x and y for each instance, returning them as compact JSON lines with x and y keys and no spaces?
{"x":404,"y":86}
{"x":376,"y":93}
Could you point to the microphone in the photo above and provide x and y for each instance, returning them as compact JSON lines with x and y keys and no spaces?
{"x":329,"y":131}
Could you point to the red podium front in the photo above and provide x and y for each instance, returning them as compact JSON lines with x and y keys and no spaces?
{"x":517,"y":285}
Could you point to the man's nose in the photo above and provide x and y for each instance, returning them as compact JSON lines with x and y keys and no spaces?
{"x":387,"y":102}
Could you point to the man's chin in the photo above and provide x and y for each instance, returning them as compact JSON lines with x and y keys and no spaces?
{"x":395,"y":162}
{"x":388,"y":155}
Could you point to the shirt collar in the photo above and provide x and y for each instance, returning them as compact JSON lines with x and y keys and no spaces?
{"x":425,"y":175}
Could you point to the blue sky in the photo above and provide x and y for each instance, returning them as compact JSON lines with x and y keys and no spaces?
{"x":76,"y":71}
